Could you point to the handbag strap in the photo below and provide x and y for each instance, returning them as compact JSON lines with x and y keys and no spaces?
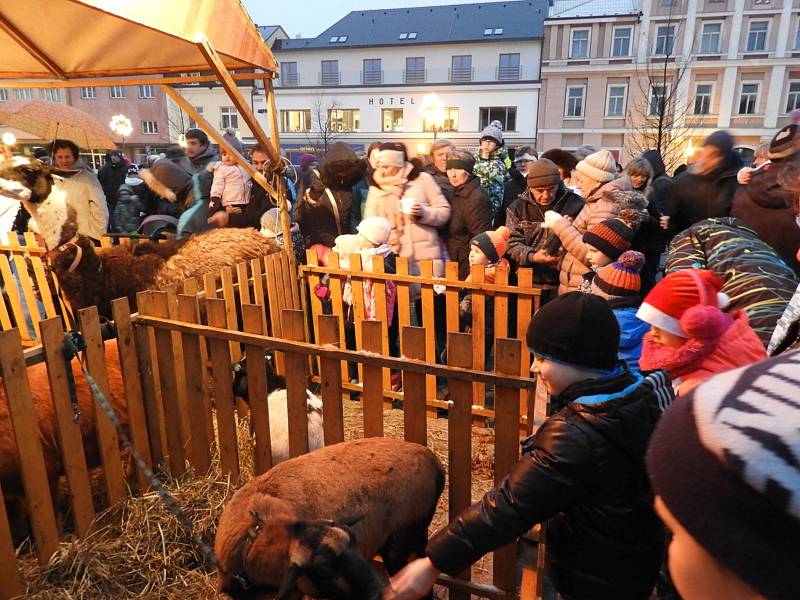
{"x":334,"y":206}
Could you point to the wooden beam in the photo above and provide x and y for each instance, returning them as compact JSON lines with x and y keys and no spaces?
{"x":212,"y":131}
{"x":283,"y":206}
{"x":94,"y":82}
{"x":29,"y":47}
{"x":216,"y":64}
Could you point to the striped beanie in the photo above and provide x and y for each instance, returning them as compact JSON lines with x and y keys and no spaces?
{"x":620,"y":281}
{"x":612,"y":237}
{"x":492,"y":243}
{"x":725,"y":460}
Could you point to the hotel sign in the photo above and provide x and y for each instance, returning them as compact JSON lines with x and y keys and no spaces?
{"x":391,"y":101}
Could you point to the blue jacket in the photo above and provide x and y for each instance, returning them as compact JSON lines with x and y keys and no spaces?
{"x":631,"y":332}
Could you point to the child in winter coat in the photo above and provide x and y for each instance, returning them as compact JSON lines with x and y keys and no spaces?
{"x":692,"y":337}
{"x":620,"y":283}
{"x":491,"y":165}
{"x":487,"y":249}
{"x":228,"y":189}
{"x":605,"y":242}
{"x":582,"y":472}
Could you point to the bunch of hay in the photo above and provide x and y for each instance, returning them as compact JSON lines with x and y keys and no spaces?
{"x":138,"y":548}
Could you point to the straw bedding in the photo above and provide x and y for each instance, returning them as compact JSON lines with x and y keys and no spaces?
{"x":139,"y":550}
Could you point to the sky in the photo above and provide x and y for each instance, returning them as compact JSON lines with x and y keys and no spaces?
{"x":309,"y":18}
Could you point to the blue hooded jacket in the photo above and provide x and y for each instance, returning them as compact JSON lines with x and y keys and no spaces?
{"x":632,"y":330}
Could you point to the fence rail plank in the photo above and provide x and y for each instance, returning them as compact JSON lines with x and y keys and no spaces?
{"x":165,"y":356}
{"x":132,"y":380}
{"x":414,"y":413}
{"x":403,"y":298}
{"x":428,"y":299}
{"x":197,"y":440}
{"x":151,"y":392}
{"x":68,"y":428}
{"x":373,"y":381}
{"x":113,"y":475}
{"x":296,"y":385}
{"x":31,"y":457}
{"x":257,"y":391}
{"x":330,"y":374}
{"x":220,"y":355}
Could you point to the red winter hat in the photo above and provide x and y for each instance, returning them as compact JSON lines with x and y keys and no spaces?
{"x":679,"y":291}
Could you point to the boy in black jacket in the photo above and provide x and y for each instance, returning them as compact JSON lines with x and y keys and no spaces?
{"x":583,"y":472}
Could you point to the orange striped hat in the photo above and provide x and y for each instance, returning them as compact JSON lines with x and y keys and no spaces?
{"x":612,"y":237}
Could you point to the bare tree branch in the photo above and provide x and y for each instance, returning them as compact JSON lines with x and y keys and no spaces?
{"x":322,"y":133}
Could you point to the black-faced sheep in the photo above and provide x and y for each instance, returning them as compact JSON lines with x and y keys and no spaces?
{"x":278,"y":410}
{"x":92,"y":276}
{"x":312,"y":524}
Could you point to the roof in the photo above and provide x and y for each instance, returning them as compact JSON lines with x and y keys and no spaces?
{"x":495,"y":21}
{"x":267,"y":30}
{"x":576,"y":9}
{"x":124,"y":38}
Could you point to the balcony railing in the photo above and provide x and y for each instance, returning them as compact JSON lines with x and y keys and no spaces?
{"x":507,"y":73}
{"x":371,"y":77}
{"x":415,"y":75}
{"x":459,"y":74}
{"x":329,"y":78}
{"x":289,"y":79}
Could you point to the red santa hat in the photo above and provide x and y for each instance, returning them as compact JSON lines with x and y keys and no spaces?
{"x":665,"y":305}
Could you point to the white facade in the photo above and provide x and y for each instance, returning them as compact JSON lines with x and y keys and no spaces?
{"x":489,"y":87}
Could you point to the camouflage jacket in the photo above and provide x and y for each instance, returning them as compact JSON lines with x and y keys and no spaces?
{"x":492,"y":172}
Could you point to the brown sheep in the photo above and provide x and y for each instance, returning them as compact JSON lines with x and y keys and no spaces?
{"x":312,"y":524}
{"x":92,"y":276}
{"x":10,"y":478}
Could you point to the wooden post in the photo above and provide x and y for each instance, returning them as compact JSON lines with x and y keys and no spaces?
{"x":337,"y":305}
{"x":274,"y":132}
{"x":478,"y":333}
{"x":373,"y":381}
{"x":69,"y":430}
{"x":524,"y":314}
{"x":107,"y":441}
{"x":414,"y":402}
{"x":506,"y":451}
{"x":257,"y":391}
{"x":169,"y":389}
{"x":429,"y":323}
{"x":11,"y":581}
{"x":330,"y":374}
{"x":451,"y":297}
{"x":148,"y":367}
{"x":132,"y":380}
{"x":403,"y":299}
{"x":220,"y":355}
{"x":296,"y":385}
{"x":32,"y":466}
{"x":197,"y":440}
{"x":459,"y":434}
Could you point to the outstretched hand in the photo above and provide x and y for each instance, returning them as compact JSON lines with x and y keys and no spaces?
{"x":413,"y":582}
{"x":551,"y":217}
{"x":219,"y":219}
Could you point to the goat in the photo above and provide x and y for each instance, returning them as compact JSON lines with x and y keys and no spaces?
{"x":278,"y":409}
{"x":311,"y":525}
{"x":94,"y":276}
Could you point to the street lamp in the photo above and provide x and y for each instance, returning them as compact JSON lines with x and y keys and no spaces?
{"x":433,"y":112}
{"x":9,"y":139}
{"x":121,"y":125}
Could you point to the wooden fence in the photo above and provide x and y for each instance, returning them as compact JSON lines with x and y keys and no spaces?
{"x":499,"y":311}
{"x":196,"y":335}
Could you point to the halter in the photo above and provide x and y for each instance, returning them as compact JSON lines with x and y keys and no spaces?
{"x":78,"y":254}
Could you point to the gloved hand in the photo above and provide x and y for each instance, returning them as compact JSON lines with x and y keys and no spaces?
{"x":551,"y":217}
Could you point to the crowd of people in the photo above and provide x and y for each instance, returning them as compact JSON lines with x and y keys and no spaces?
{"x":663,"y":283}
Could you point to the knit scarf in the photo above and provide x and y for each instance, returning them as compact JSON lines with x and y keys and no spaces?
{"x":676,"y":361}
{"x":394,"y":184}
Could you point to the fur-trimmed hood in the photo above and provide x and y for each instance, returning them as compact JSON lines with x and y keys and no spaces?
{"x":170,"y":181}
{"x":341,"y":169}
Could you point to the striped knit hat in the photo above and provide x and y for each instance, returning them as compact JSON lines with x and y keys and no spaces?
{"x":492,"y":243}
{"x":620,"y":281}
{"x":725,"y":461}
{"x":612,"y":237}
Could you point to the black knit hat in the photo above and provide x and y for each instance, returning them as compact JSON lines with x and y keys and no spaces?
{"x":576,"y":329}
{"x":724,"y":460}
{"x":721,"y":140}
{"x":785,"y":143}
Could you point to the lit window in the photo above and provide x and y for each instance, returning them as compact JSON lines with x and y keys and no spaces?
{"x":295,"y":121}
{"x":392,"y":119}
{"x":344,"y":120}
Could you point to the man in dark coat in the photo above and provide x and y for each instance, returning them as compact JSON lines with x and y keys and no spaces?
{"x":199,"y":150}
{"x":530,"y":245}
{"x":258,"y":202}
{"x":651,"y":239}
{"x":707,"y":188}
{"x":112,"y":175}
{"x":470,"y":210}
{"x":440,"y":151}
{"x":524,"y":157}
{"x":766,"y":205}
{"x":583,"y":471}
